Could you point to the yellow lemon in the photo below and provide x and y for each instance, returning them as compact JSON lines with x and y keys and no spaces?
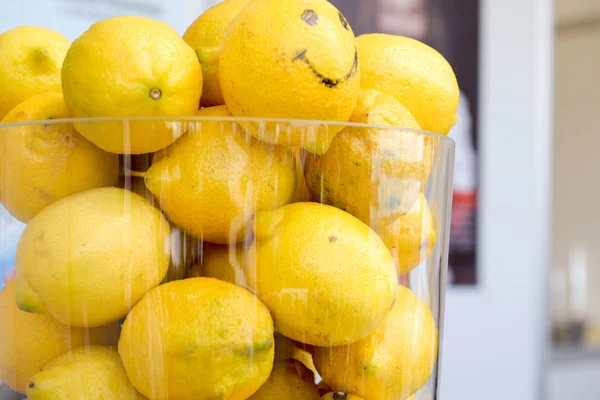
{"x":415,"y":74}
{"x":289,"y":380}
{"x":30,"y":61}
{"x":131,"y":67}
{"x":42,"y":163}
{"x":204,"y":35}
{"x":94,"y":372}
{"x":376,"y":174}
{"x":340,"y":396}
{"x":30,"y":341}
{"x":327,"y":278}
{"x":411,"y":237}
{"x":290,"y":59}
{"x":89,"y":257}
{"x":200,"y":339}
{"x":394,"y":362}
{"x":223,"y":262}
{"x":212,"y":180}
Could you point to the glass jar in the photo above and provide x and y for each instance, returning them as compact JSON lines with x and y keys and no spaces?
{"x":242,"y":253}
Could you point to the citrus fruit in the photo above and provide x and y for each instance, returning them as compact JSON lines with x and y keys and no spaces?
{"x":30,"y":61}
{"x":200,"y":339}
{"x":30,"y":341}
{"x":222,"y":262}
{"x":340,"y":396}
{"x":94,"y":372}
{"x":204,"y":35}
{"x":415,"y":74}
{"x":326,"y":277}
{"x":89,"y":257}
{"x":411,"y":237}
{"x":373,"y":173}
{"x":394,"y":362}
{"x":131,"y":67}
{"x":301,"y":64}
{"x":212,"y":180}
{"x":41,"y":163}
{"x":289,"y":380}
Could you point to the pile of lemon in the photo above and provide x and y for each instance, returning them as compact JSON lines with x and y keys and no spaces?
{"x":248,"y":258}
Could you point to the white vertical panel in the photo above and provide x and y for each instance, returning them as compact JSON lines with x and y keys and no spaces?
{"x":495,"y":341}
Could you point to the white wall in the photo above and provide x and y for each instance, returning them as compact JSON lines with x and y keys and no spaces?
{"x":73,"y":17}
{"x":495,"y":343}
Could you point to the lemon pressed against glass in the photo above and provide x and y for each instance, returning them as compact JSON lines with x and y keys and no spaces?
{"x":42,"y":163}
{"x":91,"y":372}
{"x":327,"y":278}
{"x":30,"y":341}
{"x":89,"y":257}
{"x":198,"y":338}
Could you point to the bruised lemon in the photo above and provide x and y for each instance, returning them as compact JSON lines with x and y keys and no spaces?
{"x":215,"y":178}
{"x":30,"y":341}
{"x":411,"y":237}
{"x":198,"y":338}
{"x":394,"y":362}
{"x":131,"y":67}
{"x":374,"y":173}
{"x":290,"y":59}
{"x":42,"y":163}
{"x":204,"y":35}
{"x":415,"y":74}
{"x":93,"y":372}
{"x":327,"y":278}
{"x":289,"y":380}
{"x":30,"y":61}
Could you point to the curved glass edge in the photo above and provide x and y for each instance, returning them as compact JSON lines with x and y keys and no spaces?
{"x":291,"y":122}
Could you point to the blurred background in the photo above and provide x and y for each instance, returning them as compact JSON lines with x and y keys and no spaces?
{"x":523,"y":301}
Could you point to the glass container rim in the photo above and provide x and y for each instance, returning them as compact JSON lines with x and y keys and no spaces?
{"x":292,"y":122}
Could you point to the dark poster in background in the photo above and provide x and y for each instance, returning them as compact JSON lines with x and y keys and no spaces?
{"x":452,"y":28}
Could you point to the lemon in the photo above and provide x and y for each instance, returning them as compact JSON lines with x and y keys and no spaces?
{"x":327,"y":278}
{"x":340,"y":396}
{"x":41,"y":163}
{"x":394,"y":362}
{"x":89,"y":257}
{"x":29,"y":341}
{"x":212,"y":180}
{"x":30,"y":61}
{"x":290,"y":59}
{"x":200,"y":339}
{"x":204,"y":35}
{"x":411,"y":237}
{"x":415,"y":74}
{"x":290,"y":380}
{"x":373,"y":173}
{"x":222,"y":262}
{"x":131,"y":67}
{"x":94,"y":372}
